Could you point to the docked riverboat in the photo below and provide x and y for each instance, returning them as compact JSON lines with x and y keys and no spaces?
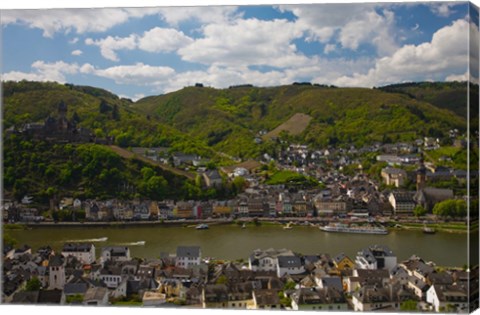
{"x":344,"y":228}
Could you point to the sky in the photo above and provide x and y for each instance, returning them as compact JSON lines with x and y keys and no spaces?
{"x":136,"y":52}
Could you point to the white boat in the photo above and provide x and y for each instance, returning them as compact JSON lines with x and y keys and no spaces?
{"x":288,"y":226}
{"x":344,"y":228}
{"x":202,"y":227}
{"x":428,"y":230}
{"x":244,"y":226}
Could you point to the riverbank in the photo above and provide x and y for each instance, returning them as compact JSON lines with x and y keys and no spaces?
{"x":414,"y":224}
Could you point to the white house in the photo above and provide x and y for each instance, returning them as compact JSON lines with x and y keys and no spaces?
{"x":188,"y":256}
{"x":376,"y":257}
{"x":84,"y":252}
{"x":266,"y":260}
{"x":291,"y":265}
{"x":112,"y":278}
{"x":116,"y":253}
{"x":448,"y":298}
{"x":402,"y":203}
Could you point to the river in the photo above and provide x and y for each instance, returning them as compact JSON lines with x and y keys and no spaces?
{"x":231,"y":242}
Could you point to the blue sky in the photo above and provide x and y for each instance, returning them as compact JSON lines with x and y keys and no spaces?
{"x":146,"y":51}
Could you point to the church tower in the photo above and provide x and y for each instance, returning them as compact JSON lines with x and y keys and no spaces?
{"x":56,"y":271}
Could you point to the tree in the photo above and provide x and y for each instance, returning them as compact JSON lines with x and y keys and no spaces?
{"x":33,"y":284}
{"x":451,"y":208}
{"x":419,"y":211}
{"x":239,"y":183}
{"x":156,"y":187}
{"x":147,"y":173}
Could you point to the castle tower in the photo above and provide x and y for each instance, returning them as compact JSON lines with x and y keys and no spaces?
{"x":62,"y":116}
{"x":421,"y":174}
{"x":62,"y":109}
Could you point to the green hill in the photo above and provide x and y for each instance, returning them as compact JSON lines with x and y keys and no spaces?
{"x":99,"y":110}
{"x":229,"y":119}
{"x":87,"y":170}
{"x":447,"y":95}
{"x":215,"y":123}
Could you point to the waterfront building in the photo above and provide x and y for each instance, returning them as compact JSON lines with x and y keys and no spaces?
{"x":376,"y":257}
{"x":402,"y":202}
{"x":289,"y":264}
{"x":188,"y":256}
{"x":84,"y":252}
{"x":266,"y":260}
{"x":116,"y":253}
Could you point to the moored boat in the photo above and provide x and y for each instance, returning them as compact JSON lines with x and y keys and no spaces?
{"x":202,"y":227}
{"x":428,"y":230}
{"x":344,"y":228}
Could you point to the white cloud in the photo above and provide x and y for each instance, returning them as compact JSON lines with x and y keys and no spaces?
{"x":163,"y":40}
{"x":445,"y":54}
{"x":329,"y":48}
{"x":246,"y":42}
{"x":77,"y":52}
{"x":222,"y":77}
{"x":42,"y":71}
{"x":355,"y":24}
{"x":110,"y":44}
{"x":155,"y":40}
{"x":443,"y":9}
{"x":458,"y":77}
{"x":138,"y":74}
{"x":206,"y":14}
{"x":73,"y":40}
{"x":73,"y":20}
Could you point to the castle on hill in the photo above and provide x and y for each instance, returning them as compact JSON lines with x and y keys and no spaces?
{"x":59,"y":129}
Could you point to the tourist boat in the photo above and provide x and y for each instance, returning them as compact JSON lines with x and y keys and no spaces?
{"x":343,"y":228}
{"x":202,"y":227}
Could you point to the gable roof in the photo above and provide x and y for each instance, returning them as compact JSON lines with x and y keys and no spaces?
{"x":188,"y":251}
{"x":50,"y":296}
{"x":75,"y":288}
{"x":289,"y":261}
{"x":95,"y":294}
